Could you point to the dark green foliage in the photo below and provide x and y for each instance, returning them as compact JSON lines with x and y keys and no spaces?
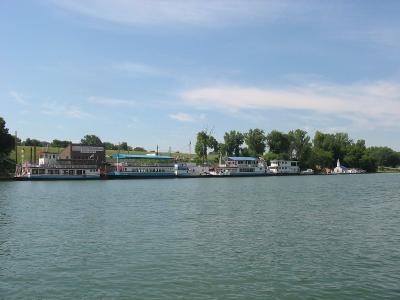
{"x":203,"y":142}
{"x":35,"y":142}
{"x":278,"y":142}
{"x":384,"y":156}
{"x":60,"y":144}
{"x":300,"y":147}
{"x":91,"y":140}
{"x":6,"y":140}
{"x":232,"y":142}
{"x":110,"y":146}
{"x":255,"y":141}
{"x":139,"y":149}
{"x":124,"y":146}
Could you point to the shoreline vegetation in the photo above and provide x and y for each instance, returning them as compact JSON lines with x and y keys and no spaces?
{"x":319,"y":153}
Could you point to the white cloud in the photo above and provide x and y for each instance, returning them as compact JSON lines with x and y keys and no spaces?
{"x":69,"y":111}
{"x":374,"y":103}
{"x":110,"y":101}
{"x":17,"y":97}
{"x":183,"y":117}
{"x":159,"y":12}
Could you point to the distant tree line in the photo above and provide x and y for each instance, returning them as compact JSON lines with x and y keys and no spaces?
{"x":88,"y":140}
{"x":318,"y":153}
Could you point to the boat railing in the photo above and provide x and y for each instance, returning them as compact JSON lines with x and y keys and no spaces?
{"x":146,"y":165}
{"x":58,"y":166}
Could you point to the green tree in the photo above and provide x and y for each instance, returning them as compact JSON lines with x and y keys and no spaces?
{"x":139,"y":149}
{"x":91,"y":140}
{"x":300,"y":147}
{"x":354,"y":154}
{"x":203,"y":142}
{"x":60,"y":144}
{"x":6,"y":140}
{"x":124,"y":146}
{"x":233,"y":141}
{"x":255,"y":141}
{"x":384,"y":156}
{"x":33,"y":142}
{"x":110,"y":146}
{"x":278,"y":142}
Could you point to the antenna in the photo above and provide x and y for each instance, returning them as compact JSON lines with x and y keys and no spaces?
{"x":190,"y":150}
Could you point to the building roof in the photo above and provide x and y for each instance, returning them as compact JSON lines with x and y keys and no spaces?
{"x":140,"y":156}
{"x":241,"y":158}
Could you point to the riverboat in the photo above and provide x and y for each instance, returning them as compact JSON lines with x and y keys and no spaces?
{"x":284,"y":167}
{"x":184,"y":170}
{"x":141,"y":166}
{"x":240,"y":166}
{"x":50,"y":167}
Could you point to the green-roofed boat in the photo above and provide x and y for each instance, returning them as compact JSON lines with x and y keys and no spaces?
{"x":141,"y":166}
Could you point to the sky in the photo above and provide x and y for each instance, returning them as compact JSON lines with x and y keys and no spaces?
{"x":157,"y":72}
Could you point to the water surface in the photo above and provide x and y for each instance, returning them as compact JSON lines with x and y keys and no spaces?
{"x":308,"y":237}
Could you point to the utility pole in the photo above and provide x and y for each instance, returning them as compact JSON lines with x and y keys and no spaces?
{"x":16,"y":148}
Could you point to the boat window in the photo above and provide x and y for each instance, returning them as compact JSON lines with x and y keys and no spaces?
{"x":71,"y":172}
{"x":78,"y":172}
{"x":42,"y":171}
{"x":65,"y":172}
{"x":57,"y":172}
{"x":50,"y":172}
{"x":34,"y":171}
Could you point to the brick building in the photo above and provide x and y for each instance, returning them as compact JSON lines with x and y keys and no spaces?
{"x":84,"y":155}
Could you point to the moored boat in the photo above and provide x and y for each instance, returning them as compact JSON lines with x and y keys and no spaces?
{"x":50,"y":167}
{"x":141,"y":166}
{"x":239,"y":166}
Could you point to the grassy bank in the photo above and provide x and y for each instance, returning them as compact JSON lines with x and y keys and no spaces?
{"x":28,"y":154}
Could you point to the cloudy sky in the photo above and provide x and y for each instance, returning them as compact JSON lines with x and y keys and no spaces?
{"x":156,"y":72}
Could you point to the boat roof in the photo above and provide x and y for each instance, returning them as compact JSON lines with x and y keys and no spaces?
{"x":140,"y":156}
{"x":241,"y":158}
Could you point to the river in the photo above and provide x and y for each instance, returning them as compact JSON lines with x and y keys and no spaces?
{"x":299,"y":237}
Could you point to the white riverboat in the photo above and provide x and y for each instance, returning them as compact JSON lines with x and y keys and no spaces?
{"x":141,"y":166}
{"x":51,"y":167}
{"x":239,"y":166}
{"x":284,"y":167}
{"x":191,"y":170}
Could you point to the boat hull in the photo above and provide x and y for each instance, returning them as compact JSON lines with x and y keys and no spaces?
{"x":49,"y":177}
{"x":133,"y":175}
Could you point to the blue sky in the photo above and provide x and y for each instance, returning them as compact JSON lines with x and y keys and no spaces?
{"x":157,"y":72}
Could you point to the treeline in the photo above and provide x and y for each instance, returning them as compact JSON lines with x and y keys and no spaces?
{"x":318,"y":153}
{"x":89,"y":139}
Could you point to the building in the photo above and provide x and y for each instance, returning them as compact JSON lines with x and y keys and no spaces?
{"x":340,"y":169}
{"x":284,"y":167}
{"x":78,"y":154}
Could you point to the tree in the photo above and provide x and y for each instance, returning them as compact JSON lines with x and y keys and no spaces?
{"x":233,"y":140}
{"x":255,"y":141}
{"x":124,"y":146}
{"x":300,"y":147}
{"x":60,"y":144}
{"x":278,"y":142}
{"x":139,"y":149}
{"x":384,"y":156}
{"x":110,"y":146}
{"x":33,"y":142}
{"x":354,"y":154}
{"x":203,"y":142}
{"x":91,"y":140}
{"x":7,"y":141}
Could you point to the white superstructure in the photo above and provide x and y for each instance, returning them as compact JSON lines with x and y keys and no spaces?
{"x":239,"y":166}
{"x":284,"y":167}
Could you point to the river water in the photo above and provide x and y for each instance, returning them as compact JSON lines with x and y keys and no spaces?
{"x":304,"y":237}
